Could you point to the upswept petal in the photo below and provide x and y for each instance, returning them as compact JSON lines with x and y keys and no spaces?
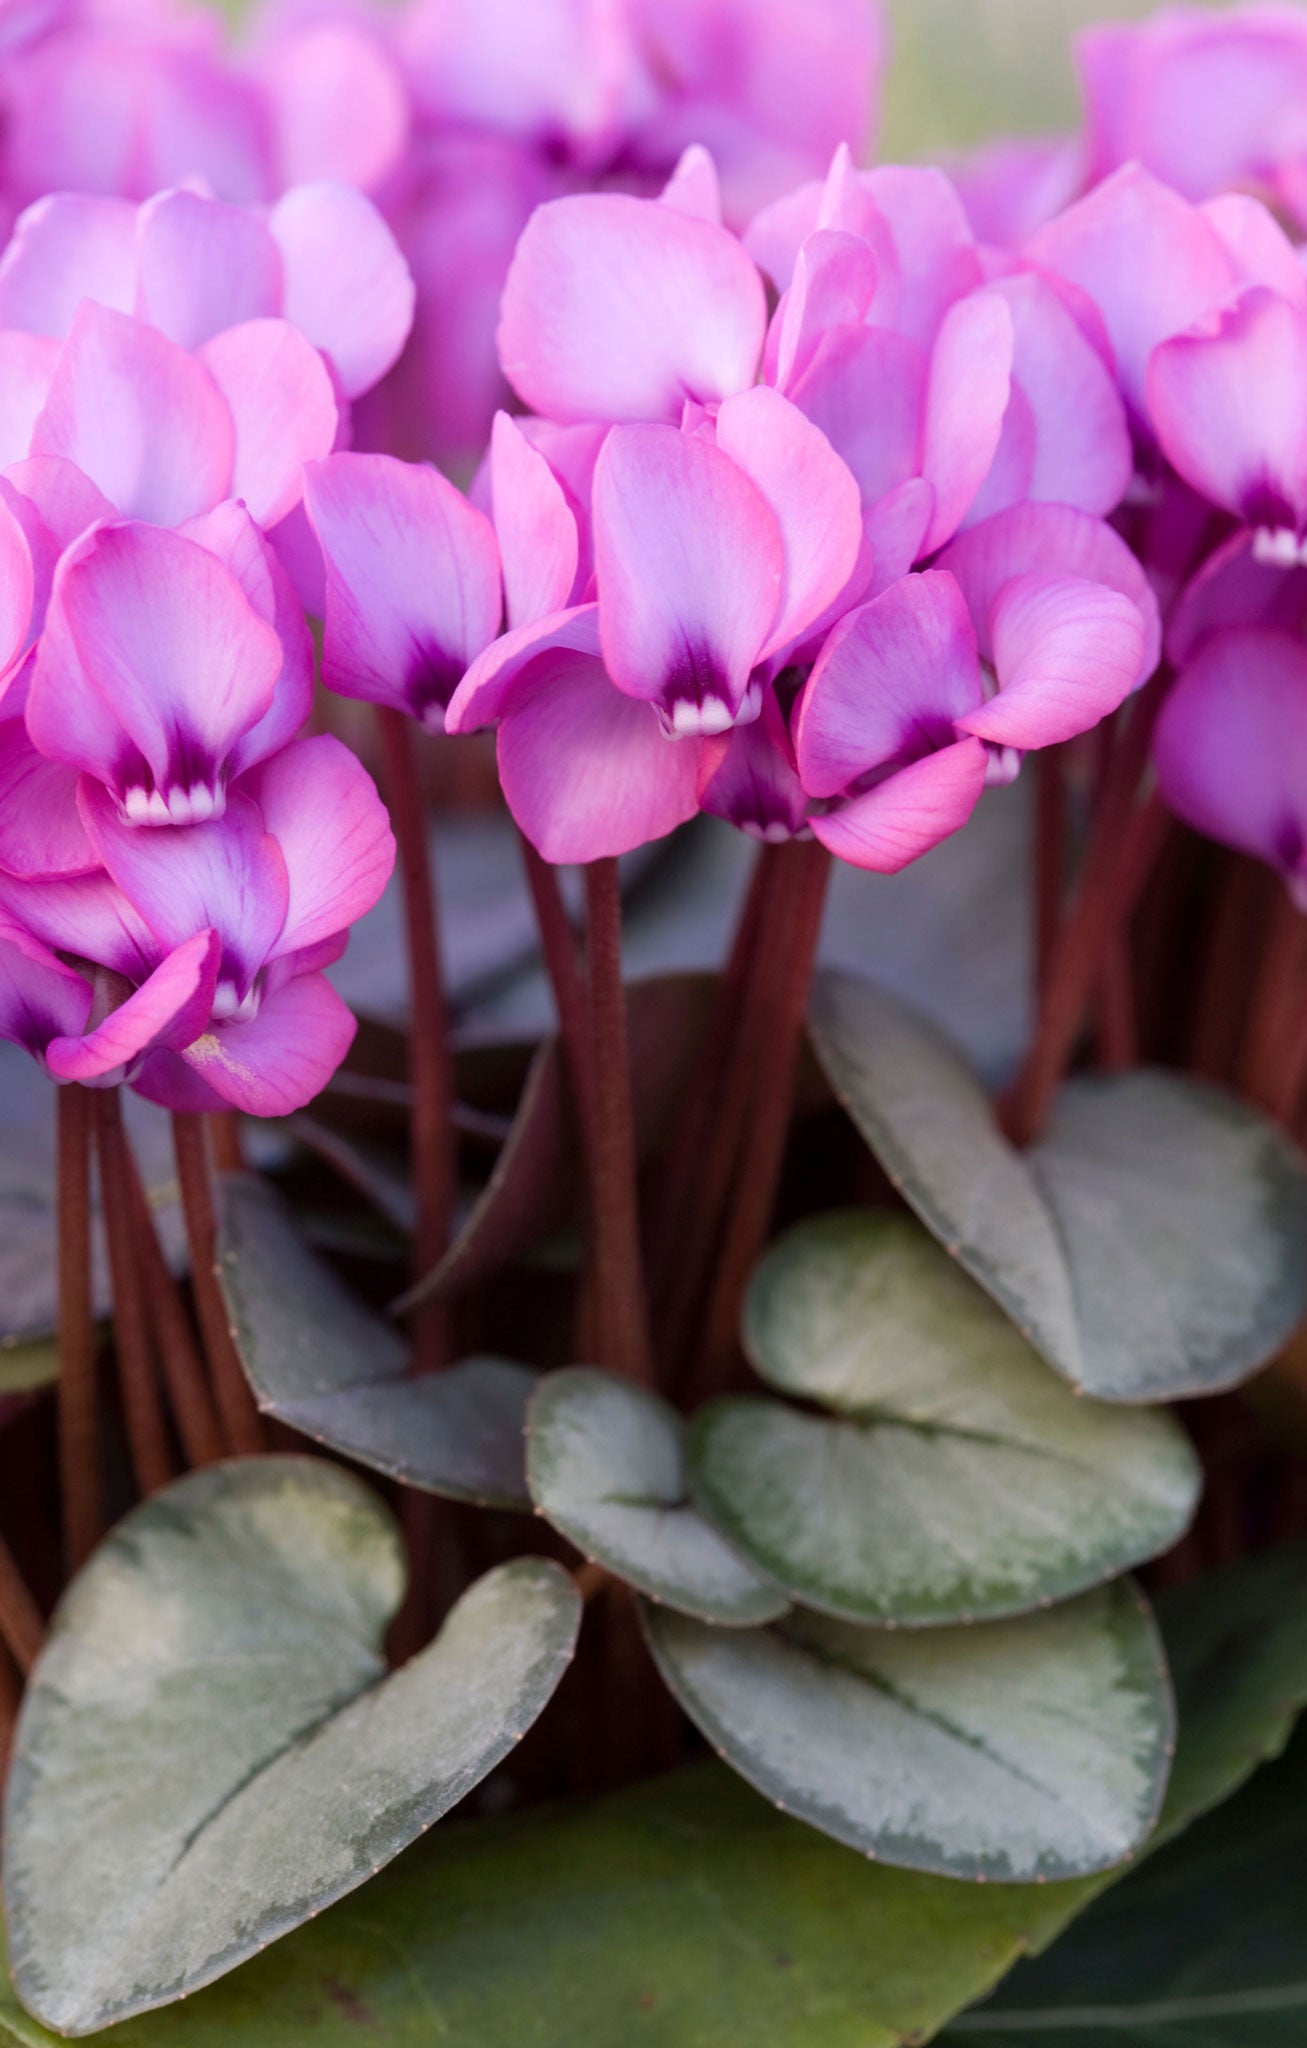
{"x":903,"y":817}
{"x":487,"y":690}
{"x":619,"y":308}
{"x":1066,"y":653}
{"x":693,"y":187}
{"x":538,"y":543}
{"x":340,"y":103}
{"x":347,"y":287}
{"x":244,"y":551}
{"x":202,"y":266}
{"x":755,"y":785}
{"x":283,"y":408}
{"x":27,"y":367}
{"x":865,"y":387}
{"x":40,"y":998}
{"x":269,"y":1065}
{"x":833,"y":286}
{"x":140,"y":416}
{"x":413,"y":588}
{"x":321,"y":806}
{"x":1257,"y":245}
{"x":937,"y":259}
{"x":1231,"y":589}
{"x":17,"y":590}
{"x":66,"y":248}
{"x":690,"y":566}
{"x":171,"y":1008}
{"x":85,"y":915}
{"x":967,"y":394}
{"x":41,"y":830}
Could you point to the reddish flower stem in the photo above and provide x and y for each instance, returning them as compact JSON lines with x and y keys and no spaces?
{"x":79,"y":1436}
{"x":1118,"y":1036}
{"x":1050,"y":856}
{"x":623,"y":1328}
{"x":1277,"y":1004}
{"x":21,"y":1622}
{"x":183,"y":1368}
{"x":563,"y":966}
{"x":241,"y":1422}
{"x":431,"y":1131}
{"x":147,"y":1432}
{"x":225,"y":1141}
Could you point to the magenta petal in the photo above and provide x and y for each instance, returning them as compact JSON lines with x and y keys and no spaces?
{"x":865,"y":387}
{"x":87,"y":916}
{"x":229,"y":533}
{"x":40,"y":998}
{"x":619,"y":309}
{"x":588,"y":772}
{"x":1229,"y":402}
{"x":813,"y":495}
{"x":1230,"y":747}
{"x":346,"y":284}
{"x":1257,"y":245}
{"x":321,"y":806}
{"x":66,"y":248}
{"x":283,"y":410}
{"x":834,"y":281}
{"x":1081,"y":452}
{"x":1048,"y":540}
{"x":41,"y":830}
{"x":488,"y":688}
{"x":754,"y":785}
{"x":693,"y":187}
{"x":413,"y":589}
{"x":890,"y":683}
{"x":1066,"y":653}
{"x":140,"y":416}
{"x":937,"y":259}
{"x":27,"y":367}
{"x":690,"y":566}
{"x":904,"y":816}
{"x":538,"y":541}
{"x":152,"y":667}
{"x":17,"y":589}
{"x":276,"y":1062}
{"x":966,"y":398}
{"x":894,"y":530}
{"x":1233,"y":588}
{"x":202,"y":266}
{"x":172,"y":1007}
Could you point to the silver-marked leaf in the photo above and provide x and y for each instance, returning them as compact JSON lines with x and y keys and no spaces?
{"x":1184,"y":1218}
{"x":1019,"y":1751}
{"x":322,"y":1362}
{"x":606,"y":1466}
{"x":211,"y":1751}
{"x":962,"y":1479}
{"x":930,"y":1123}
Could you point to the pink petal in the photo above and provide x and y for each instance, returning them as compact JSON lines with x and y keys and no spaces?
{"x":1150,"y":262}
{"x":27,"y":367}
{"x":152,"y":668}
{"x":1229,"y":402}
{"x":67,"y":501}
{"x":1234,"y":589}
{"x":778,"y":231}
{"x":904,"y":816}
{"x":1257,"y":245}
{"x":347,"y":285}
{"x":937,"y":258}
{"x":283,"y":409}
{"x":890,"y":684}
{"x":894,"y":530}
{"x":866,"y":389}
{"x":17,"y":589}
{"x":834,"y":282}
{"x":277,"y":1062}
{"x":67,"y":248}
{"x":140,"y":416}
{"x":322,"y":808}
{"x":40,"y":998}
{"x":1230,"y":747}
{"x":412,"y":581}
{"x":86,"y":916}
{"x":202,"y":266}
{"x":172,"y":1007}
{"x":340,"y":104}
{"x":1048,"y":540}
{"x":587,"y":771}
{"x":41,"y":830}
{"x":690,"y":565}
{"x":966,"y":398}
{"x":490,"y":682}
{"x":229,"y":533}
{"x":1010,"y":188}
{"x":1066,"y":653}
{"x":693,"y":187}
{"x":619,"y":309}
{"x":813,"y":495}
{"x":538,"y":542}
{"x":754,"y":785}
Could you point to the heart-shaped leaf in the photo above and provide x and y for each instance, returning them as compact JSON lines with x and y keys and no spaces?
{"x":210,"y":1750}
{"x":606,"y":1465}
{"x":1019,"y":1751}
{"x":320,"y":1361}
{"x":959,"y":1479}
{"x":1152,"y":1246}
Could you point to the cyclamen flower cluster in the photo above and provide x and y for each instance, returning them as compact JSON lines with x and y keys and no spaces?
{"x":177,"y":867}
{"x":457,"y":117}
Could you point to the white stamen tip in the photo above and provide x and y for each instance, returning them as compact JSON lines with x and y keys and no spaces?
{"x":1278,"y":548}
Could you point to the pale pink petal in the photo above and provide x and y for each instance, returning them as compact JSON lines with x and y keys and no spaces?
{"x":86,"y":916}
{"x":347,"y":285}
{"x":413,"y":589}
{"x":778,"y":231}
{"x":538,"y":542}
{"x":66,"y":500}
{"x":203,"y":266}
{"x":966,"y":397}
{"x":40,"y":998}
{"x":1066,"y":653}
{"x":27,"y":367}
{"x":17,"y":590}
{"x":277,"y":1062}
{"x":620,"y":309}
{"x":140,"y":416}
{"x":283,"y":409}
{"x":171,"y":1008}
{"x":487,"y":688}
{"x":693,"y":187}
{"x":1229,"y":402}
{"x":322,"y":808}
{"x":834,"y":283}
{"x":1257,"y":245}
{"x":588,"y":772}
{"x":1080,"y":445}
{"x":340,"y":104}
{"x":41,"y":830}
{"x":937,"y":260}
{"x":866,"y":389}
{"x":1010,"y":188}
{"x":67,"y":248}
{"x":229,"y":533}
{"x":890,"y":684}
{"x":1048,"y":540}
{"x":911,"y":811}
{"x":894,"y":530}
{"x":690,"y":566}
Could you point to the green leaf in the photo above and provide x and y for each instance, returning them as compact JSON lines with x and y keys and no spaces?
{"x":606,"y":1466}
{"x":1184,"y":1218}
{"x":967,"y":1482}
{"x":210,"y":1750}
{"x":320,"y":1361}
{"x":1152,"y":1246}
{"x":1202,"y":1948}
{"x":1018,"y":1751}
